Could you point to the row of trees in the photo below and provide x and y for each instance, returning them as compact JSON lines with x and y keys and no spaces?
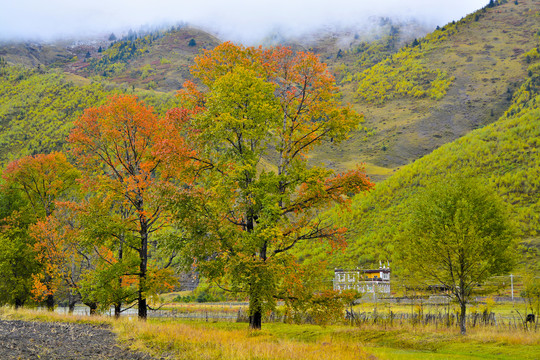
{"x":221,"y":184}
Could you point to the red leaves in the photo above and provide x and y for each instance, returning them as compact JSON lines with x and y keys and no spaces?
{"x":130,"y":144}
{"x":349,"y":183}
{"x":118,"y":133}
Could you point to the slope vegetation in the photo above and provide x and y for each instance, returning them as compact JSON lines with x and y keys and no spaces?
{"x":38,"y":107}
{"x":159,"y":60}
{"x":504,"y":155}
{"x":454,"y":80}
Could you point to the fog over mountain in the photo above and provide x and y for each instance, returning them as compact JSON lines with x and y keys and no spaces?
{"x":239,"y":20}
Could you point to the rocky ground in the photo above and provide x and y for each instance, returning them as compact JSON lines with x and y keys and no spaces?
{"x":60,"y":341}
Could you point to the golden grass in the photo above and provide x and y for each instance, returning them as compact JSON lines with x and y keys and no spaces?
{"x":187,"y":341}
{"x":202,"y":308}
{"x":194,"y":342}
{"x":202,"y":340}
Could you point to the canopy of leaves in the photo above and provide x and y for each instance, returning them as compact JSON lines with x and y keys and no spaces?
{"x":42,"y":178}
{"x":18,"y":264}
{"x":122,"y":148}
{"x":458,"y":235}
{"x":242,"y":213}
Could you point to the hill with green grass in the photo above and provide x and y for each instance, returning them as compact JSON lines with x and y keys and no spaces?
{"x":504,"y":155}
{"x":39,"y":106}
{"x":45,"y":87}
{"x":417,"y":91}
{"x":457,"y":78}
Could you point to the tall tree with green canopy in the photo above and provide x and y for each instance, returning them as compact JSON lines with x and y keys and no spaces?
{"x":459,"y":235}
{"x":255,"y":197}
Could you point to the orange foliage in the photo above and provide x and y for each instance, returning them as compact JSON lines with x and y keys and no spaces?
{"x":42,"y":178}
{"x":55,"y":249}
{"x":130,"y":155}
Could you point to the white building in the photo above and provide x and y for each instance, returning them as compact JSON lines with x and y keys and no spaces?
{"x":364,"y":280}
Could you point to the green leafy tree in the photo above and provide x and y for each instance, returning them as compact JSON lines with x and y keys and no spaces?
{"x":18,"y":264}
{"x":459,"y":235}
{"x":255,"y":197}
{"x":107,"y":232}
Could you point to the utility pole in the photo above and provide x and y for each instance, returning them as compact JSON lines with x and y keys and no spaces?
{"x":512,"y":285}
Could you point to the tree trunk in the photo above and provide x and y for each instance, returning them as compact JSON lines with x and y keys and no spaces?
{"x":118,"y":305}
{"x":71,"y":306}
{"x":255,"y":319}
{"x":143,"y":256}
{"x":255,"y":312}
{"x":49,"y":299}
{"x":462,"y":318}
{"x":72,"y":302}
{"x":18,"y":303}
{"x":49,"y":302}
{"x":117,"y":310}
{"x":255,"y":307}
{"x":93,"y":307}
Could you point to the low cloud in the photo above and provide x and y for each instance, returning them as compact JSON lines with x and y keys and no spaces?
{"x":246,"y":21}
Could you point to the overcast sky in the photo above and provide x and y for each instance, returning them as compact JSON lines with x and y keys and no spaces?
{"x":239,"y":20}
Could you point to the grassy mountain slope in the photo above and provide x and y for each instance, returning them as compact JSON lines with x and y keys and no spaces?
{"x":456,"y":79}
{"x":483,"y":53}
{"x":38,"y":107}
{"x":504,"y":154}
{"x":34,"y":54}
{"x":45,"y":87}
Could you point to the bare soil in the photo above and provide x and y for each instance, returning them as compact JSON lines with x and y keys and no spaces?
{"x":60,"y":341}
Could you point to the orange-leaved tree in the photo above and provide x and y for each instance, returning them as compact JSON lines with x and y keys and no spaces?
{"x":56,"y":242}
{"x":256,"y":197}
{"x":122,"y":148}
{"x":42,"y":180}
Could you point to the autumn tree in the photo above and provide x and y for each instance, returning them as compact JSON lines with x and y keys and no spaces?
{"x":42,"y":180}
{"x":120,"y":147}
{"x":56,"y":242}
{"x":459,"y":235}
{"x":256,"y":197}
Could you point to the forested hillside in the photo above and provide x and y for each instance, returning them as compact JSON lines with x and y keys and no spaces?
{"x":157,"y":60}
{"x":461,"y":77}
{"x":504,"y":155}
